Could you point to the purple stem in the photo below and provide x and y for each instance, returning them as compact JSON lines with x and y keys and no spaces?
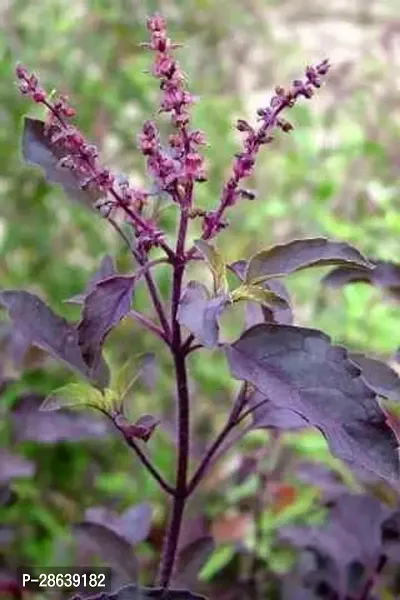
{"x":232,"y":421}
{"x":134,"y":314}
{"x":152,"y":287}
{"x":372,"y":579}
{"x":179,"y":501}
{"x":145,"y":460}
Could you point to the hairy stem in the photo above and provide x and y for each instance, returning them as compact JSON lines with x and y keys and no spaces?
{"x":151,"y":285}
{"x":172,"y":538}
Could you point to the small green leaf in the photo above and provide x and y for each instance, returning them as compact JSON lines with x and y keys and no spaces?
{"x":259,"y":294}
{"x":76,"y":394}
{"x":128,"y":374}
{"x":217,"y":265}
{"x":217,"y":561}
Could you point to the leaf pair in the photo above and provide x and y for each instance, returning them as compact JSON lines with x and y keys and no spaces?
{"x":199,"y":312}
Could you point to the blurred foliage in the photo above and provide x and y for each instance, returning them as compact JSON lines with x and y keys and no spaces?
{"x":335,"y":175}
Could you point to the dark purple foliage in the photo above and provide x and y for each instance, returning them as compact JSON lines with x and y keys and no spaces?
{"x":105,"y":306}
{"x":293,"y":377}
{"x":51,"y":427}
{"x":284,"y":259}
{"x":385,"y":275}
{"x":199,"y":313}
{"x":42,"y":327}
{"x":268,"y":415}
{"x":106,"y":270}
{"x":133,"y":524}
{"x":299,"y":369}
{"x":112,"y":548}
{"x":378,"y":376}
{"x":359,"y":530}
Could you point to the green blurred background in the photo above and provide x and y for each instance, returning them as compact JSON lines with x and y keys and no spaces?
{"x":335,"y":175}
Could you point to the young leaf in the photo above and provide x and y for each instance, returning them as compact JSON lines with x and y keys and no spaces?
{"x":129,"y":374}
{"x":378,"y":376}
{"x":217,"y":265}
{"x":199,"y":314}
{"x":42,"y":327}
{"x":133,"y":592}
{"x":103,"y":309}
{"x":300,"y":254}
{"x":143,"y":429}
{"x":299,"y":369}
{"x":106,"y":270}
{"x":260,"y":314}
{"x":257,"y":293}
{"x":37,"y":149}
{"x":77,"y":394}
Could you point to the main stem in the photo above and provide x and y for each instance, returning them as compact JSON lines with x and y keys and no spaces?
{"x":179,"y":501}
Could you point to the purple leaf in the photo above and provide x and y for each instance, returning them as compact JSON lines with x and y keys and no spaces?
{"x":49,"y":428}
{"x":38,"y":150}
{"x":269,"y":415}
{"x":54,"y":334}
{"x":378,"y":376}
{"x":300,"y":254}
{"x":133,"y":592}
{"x":351,"y":533}
{"x":191,"y":559}
{"x":108,"y":303}
{"x":133,"y":525}
{"x":199,"y":314}
{"x":13,"y":466}
{"x":385,"y":275}
{"x":113,"y":549}
{"x":107,"y":269}
{"x":299,"y":369}
{"x":343,"y":275}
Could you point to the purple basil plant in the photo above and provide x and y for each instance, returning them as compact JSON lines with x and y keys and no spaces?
{"x":290,"y":376}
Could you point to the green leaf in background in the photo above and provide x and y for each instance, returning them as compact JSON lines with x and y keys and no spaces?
{"x":219,"y":558}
